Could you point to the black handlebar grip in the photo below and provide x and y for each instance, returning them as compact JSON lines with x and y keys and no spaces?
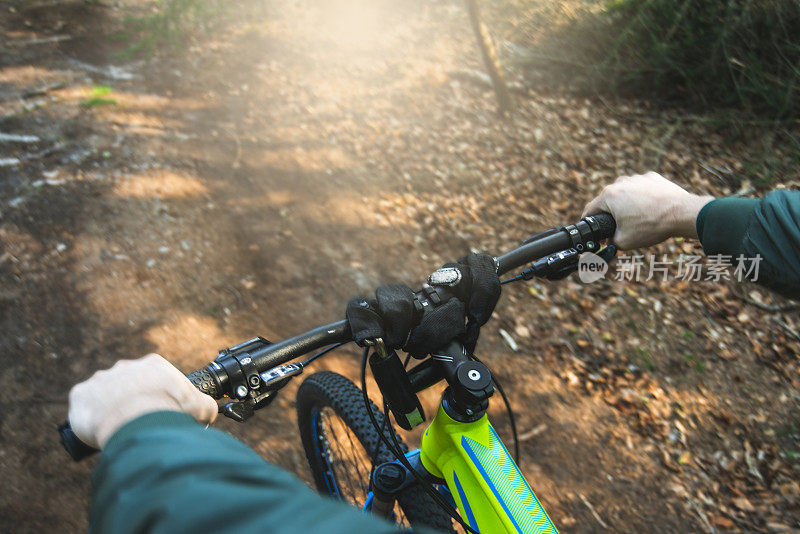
{"x":206,"y":381}
{"x":608,"y":226}
{"x":77,"y":449}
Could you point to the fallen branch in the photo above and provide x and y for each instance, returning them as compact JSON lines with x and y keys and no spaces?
{"x":236,"y":294}
{"x":111,"y":71}
{"x":43,"y":153}
{"x":41,"y":40}
{"x":591,"y":509}
{"x":18,"y":138}
{"x":702,"y":516}
{"x":789,"y":329}
{"x":43,"y":90}
{"x":772,"y":308}
{"x":713,"y":170}
{"x":8,"y":162}
{"x":533,"y":432}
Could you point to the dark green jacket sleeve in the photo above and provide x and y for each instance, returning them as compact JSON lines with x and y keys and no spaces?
{"x":767,"y":228}
{"x":163,"y":473}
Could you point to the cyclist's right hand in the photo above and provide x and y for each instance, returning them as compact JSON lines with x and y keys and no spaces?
{"x":648,"y":209}
{"x":101,"y":405}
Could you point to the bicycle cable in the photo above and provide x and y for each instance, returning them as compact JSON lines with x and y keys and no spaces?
{"x":397,"y":452}
{"x":383,"y":428}
{"x":386,"y":422}
{"x":395,"y":448}
{"x":322,"y":353}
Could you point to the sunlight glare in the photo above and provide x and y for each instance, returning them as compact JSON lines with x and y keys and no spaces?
{"x":352,"y":24}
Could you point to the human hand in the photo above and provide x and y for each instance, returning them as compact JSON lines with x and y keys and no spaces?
{"x":99,"y":406}
{"x":648,"y":209}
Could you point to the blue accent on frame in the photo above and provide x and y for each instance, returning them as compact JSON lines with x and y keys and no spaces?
{"x":368,"y":503}
{"x":493,"y":463}
{"x":465,"y":503}
{"x":523,"y":478}
{"x":482,"y":471}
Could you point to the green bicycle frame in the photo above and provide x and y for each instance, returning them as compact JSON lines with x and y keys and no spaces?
{"x":489,"y":490}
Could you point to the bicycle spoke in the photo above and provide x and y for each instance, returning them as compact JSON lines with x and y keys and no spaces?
{"x":346,"y":457}
{"x":344,"y":462}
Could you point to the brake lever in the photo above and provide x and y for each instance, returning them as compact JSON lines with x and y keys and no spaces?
{"x":270,"y":383}
{"x":608,"y":253}
{"x":561,"y":264}
{"x":241,"y":411}
{"x":557,"y":266}
{"x":563,"y":272}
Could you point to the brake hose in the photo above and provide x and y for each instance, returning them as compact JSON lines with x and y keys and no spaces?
{"x":395,"y":449}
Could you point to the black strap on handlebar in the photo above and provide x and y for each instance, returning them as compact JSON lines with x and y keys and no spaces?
{"x":483,"y":296}
{"x":393,"y":316}
{"x":390,"y":315}
{"x":439,"y":325}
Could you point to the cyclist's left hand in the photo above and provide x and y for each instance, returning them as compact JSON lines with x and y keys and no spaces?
{"x":102,"y":404}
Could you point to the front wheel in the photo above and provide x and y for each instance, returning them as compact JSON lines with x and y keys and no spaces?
{"x":341,"y":445}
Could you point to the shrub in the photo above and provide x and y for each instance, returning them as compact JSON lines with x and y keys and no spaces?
{"x":168,"y":23}
{"x":716,"y":53}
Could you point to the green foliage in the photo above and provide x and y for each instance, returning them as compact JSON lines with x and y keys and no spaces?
{"x":98,"y":101}
{"x":717,"y":53}
{"x":98,"y":97}
{"x":693,"y":361}
{"x":101,"y":90}
{"x":642,"y":358}
{"x":791,"y":430}
{"x":167,"y":25}
{"x":774,"y":158}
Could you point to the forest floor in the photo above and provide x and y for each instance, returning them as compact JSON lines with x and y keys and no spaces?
{"x":252,"y":182}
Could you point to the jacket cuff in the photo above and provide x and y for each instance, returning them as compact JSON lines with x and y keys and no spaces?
{"x":162,"y":419}
{"x":722,"y":224}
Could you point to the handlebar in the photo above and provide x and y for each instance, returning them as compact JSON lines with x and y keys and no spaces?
{"x":214,"y":378}
{"x":253,"y":357}
{"x":581,"y":236}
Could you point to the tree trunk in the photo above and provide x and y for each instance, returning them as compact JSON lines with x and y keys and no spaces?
{"x":490,"y":59}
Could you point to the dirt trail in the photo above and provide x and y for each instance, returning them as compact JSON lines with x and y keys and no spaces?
{"x":253,"y":183}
